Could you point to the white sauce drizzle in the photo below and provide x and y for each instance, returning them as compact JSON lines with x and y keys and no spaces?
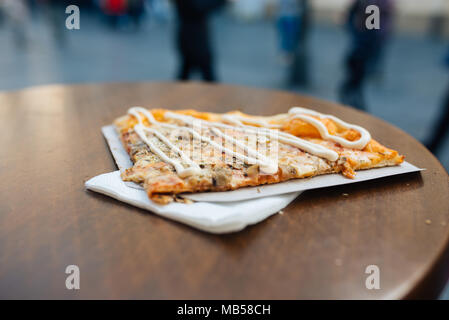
{"x":305,"y":115}
{"x":266,"y":165}
{"x":283,"y":137}
{"x":239,"y":120}
{"x":262,"y":164}
{"x":140,"y":130}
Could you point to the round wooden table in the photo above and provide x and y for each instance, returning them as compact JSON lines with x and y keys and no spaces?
{"x":320,"y":247}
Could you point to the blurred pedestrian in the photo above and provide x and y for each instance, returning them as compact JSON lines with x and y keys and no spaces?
{"x":288,"y":23}
{"x":113,"y":9}
{"x":437,"y":12}
{"x":436,"y":141}
{"x":293,"y":22}
{"x":366,"y":49}
{"x":54,"y":13}
{"x":16,"y":14}
{"x":136,"y":9}
{"x":193,"y":39}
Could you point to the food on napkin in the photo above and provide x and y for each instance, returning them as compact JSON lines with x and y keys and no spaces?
{"x":189,"y":151}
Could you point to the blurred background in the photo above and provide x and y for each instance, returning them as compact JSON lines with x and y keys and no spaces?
{"x":316,"y":47}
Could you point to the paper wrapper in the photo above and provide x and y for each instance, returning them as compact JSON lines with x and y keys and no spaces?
{"x":206,"y":216}
{"x":221,"y":212}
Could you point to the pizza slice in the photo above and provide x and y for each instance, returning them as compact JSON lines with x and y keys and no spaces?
{"x":189,"y":151}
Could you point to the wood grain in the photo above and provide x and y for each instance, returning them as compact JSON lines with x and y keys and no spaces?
{"x":319,"y":248}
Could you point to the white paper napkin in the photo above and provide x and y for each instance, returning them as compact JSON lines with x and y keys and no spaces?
{"x":206,"y":216}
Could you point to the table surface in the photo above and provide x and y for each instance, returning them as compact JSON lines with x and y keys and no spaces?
{"x":319,"y":248}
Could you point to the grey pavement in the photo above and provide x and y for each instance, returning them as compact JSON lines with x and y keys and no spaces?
{"x":409,"y":96}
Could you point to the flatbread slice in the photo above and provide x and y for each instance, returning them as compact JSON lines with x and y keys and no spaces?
{"x":189,"y":151}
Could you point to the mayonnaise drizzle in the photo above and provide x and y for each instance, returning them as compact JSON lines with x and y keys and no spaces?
{"x":239,"y":121}
{"x":283,"y":137}
{"x":140,"y":130}
{"x":266,"y":165}
{"x":305,"y":115}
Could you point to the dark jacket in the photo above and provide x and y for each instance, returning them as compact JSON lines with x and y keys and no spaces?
{"x":193,"y":35}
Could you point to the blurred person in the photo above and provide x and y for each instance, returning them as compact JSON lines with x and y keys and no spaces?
{"x":113,"y":9}
{"x":54,"y":12}
{"x":293,"y":22}
{"x":135,"y":10}
{"x":193,"y":40}
{"x":366,"y":49}
{"x":288,"y":25}
{"x":16,"y":14}
{"x":437,"y":10}
{"x":2,"y":16}
{"x":441,"y":125}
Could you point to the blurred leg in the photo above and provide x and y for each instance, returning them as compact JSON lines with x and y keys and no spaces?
{"x":208,"y":74}
{"x":441,"y":128}
{"x":298,"y":69}
{"x":207,"y":69}
{"x":185,"y":69}
{"x":351,"y":91}
{"x":282,"y":33}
